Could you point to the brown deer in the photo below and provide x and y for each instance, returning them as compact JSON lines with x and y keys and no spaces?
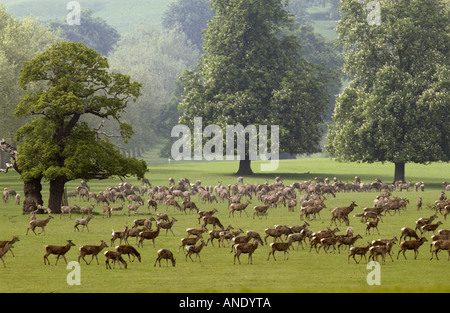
{"x":57,"y":250}
{"x":39,"y":223}
{"x":165,"y":254}
{"x":238,"y":207}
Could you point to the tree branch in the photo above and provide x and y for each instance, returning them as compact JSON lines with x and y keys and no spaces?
{"x":6,"y":147}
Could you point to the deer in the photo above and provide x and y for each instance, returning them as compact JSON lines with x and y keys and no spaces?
{"x":148,"y":234}
{"x":11,"y":242}
{"x":408,"y":232}
{"x":279,"y":246}
{"x":440,"y":245}
{"x":57,"y":250}
{"x":245,"y":248}
{"x":121,"y":235}
{"x":238,"y":207}
{"x":195,"y":249}
{"x":205,"y":213}
{"x":424,"y":220}
{"x":383,"y":250}
{"x":262,"y":209}
{"x":342,"y":213}
{"x":39,"y":223}
{"x":87,"y":210}
{"x":134,"y":208}
{"x":188,"y":241}
{"x":167,"y":225}
{"x":372,"y":224}
{"x":212,"y":220}
{"x":127,"y":249}
{"x":358,"y":251}
{"x":411,"y":245}
{"x":91,"y":250}
{"x":115,"y":256}
{"x":106,"y":209}
{"x":275,"y":233}
{"x":165,"y":254}
{"x":215,"y":234}
{"x":430,"y":227}
{"x":5,"y":249}
{"x":67,"y":209}
{"x":84,"y":222}
{"x":189,"y":204}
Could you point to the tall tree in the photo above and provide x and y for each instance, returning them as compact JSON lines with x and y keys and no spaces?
{"x":56,"y":145}
{"x":396,"y":107}
{"x":251,"y":74}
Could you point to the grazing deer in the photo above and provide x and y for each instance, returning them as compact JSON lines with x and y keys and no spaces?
{"x":165,"y":254}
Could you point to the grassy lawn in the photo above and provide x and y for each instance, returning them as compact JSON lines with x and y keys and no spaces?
{"x":303,"y":272}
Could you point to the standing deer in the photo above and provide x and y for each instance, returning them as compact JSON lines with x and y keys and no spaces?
{"x":39,"y":223}
{"x":57,"y":250}
{"x":239,"y":207}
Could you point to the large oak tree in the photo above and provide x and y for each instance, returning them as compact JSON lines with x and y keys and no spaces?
{"x":57,"y":145}
{"x":397,"y":105}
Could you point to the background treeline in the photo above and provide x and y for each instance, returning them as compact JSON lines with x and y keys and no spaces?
{"x":153,"y":42}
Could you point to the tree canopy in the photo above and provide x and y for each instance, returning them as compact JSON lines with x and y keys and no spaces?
{"x":252,"y":74}
{"x":57,"y":145}
{"x":396,"y":106}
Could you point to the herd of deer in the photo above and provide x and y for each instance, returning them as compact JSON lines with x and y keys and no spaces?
{"x":270,"y":195}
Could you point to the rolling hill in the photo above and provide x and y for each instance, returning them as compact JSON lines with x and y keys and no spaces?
{"x":123,"y":15}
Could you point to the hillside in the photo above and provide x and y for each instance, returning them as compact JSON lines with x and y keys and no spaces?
{"x":123,"y":15}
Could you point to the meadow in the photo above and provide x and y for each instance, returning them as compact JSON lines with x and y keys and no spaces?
{"x":304,"y":271}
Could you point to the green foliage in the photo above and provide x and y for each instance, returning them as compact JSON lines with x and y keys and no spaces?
{"x":190,"y":17}
{"x":396,"y":107}
{"x":156,"y":58}
{"x":56,"y":145}
{"x":247,"y":72}
{"x":20,"y":40}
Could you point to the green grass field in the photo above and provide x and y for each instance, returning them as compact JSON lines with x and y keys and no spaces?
{"x":303,"y":272}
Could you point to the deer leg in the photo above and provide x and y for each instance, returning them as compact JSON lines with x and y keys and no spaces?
{"x":85,"y":259}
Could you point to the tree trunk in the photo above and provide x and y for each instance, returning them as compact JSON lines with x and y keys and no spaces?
{"x":56,"y":194}
{"x":33,"y":197}
{"x":399,"y":172}
{"x":245,"y":167}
